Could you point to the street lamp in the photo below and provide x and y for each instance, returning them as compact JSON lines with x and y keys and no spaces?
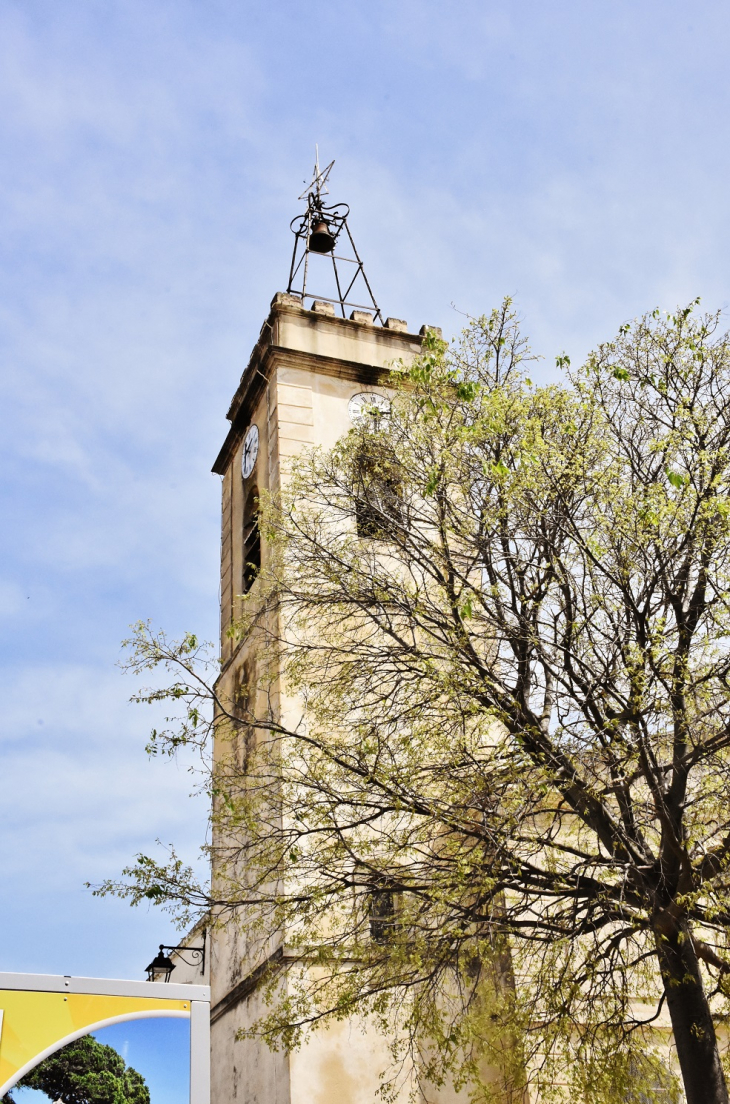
{"x":162,"y":965}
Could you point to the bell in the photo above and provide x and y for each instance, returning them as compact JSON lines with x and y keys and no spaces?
{"x":321,"y":240}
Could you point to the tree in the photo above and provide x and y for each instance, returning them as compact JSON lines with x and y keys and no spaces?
{"x":87,"y":1072}
{"x":502,"y":812}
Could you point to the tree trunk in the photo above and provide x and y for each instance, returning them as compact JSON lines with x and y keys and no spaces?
{"x":692,"y":1026}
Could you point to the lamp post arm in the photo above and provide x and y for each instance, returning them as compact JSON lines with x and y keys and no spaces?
{"x":198,"y":953}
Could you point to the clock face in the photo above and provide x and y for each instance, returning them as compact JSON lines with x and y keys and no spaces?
{"x":369,"y":409}
{"x":250,"y":451}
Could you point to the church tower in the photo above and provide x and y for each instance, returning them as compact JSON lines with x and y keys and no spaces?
{"x":316,"y":355}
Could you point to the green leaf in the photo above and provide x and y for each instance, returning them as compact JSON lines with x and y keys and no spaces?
{"x":467,"y":391}
{"x":432,"y":482}
{"x":466,"y":610}
{"x":621,"y":374}
{"x":500,"y":469}
{"x":676,"y":479}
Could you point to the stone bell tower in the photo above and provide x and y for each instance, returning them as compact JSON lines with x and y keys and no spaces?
{"x":312,"y":360}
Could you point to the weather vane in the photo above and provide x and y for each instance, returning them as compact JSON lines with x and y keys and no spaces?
{"x":319,"y":180}
{"x":317,"y":232}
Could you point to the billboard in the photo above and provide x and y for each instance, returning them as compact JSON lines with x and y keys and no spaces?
{"x":40,"y":1014}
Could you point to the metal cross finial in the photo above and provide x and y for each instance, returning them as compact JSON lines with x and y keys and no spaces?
{"x":318,"y":186}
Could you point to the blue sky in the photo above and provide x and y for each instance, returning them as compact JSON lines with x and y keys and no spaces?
{"x":571,"y":154}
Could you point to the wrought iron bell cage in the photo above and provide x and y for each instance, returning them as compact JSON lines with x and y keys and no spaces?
{"x":322,"y":232}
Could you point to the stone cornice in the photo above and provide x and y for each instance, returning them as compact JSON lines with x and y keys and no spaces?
{"x":268,"y":355}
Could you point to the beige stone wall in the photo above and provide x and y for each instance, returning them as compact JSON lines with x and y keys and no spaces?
{"x":244,"y":1070}
{"x":339,"y":1065}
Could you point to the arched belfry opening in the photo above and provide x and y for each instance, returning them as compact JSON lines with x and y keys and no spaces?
{"x":251,"y":538}
{"x":326,"y":266}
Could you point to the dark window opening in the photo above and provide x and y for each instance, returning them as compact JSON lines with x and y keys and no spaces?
{"x":378,"y":493}
{"x":383,"y":913}
{"x":251,"y":539}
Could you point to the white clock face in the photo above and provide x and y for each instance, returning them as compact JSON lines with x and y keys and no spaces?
{"x":369,"y":409}
{"x":250,"y":451}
